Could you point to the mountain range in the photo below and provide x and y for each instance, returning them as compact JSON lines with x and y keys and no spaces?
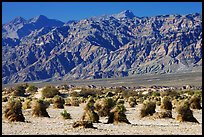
{"x":106,"y":46}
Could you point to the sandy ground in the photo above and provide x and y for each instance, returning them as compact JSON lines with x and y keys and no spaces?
{"x":56,"y":125}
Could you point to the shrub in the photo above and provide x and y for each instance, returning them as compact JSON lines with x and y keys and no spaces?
{"x":49,"y":92}
{"x":32,"y":89}
{"x":72,"y":101}
{"x":13,"y":110}
{"x":58,"y":102}
{"x":155,"y":94}
{"x":185,"y":113}
{"x":89,"y":92}
{"x":39,"y":108}
{"x":89,"y":113}
{"x":170,"y":93}
{"x":132,"y":101}
{"x":166,"y":103}
{"x":195,"y":102}
{"x":163,"y":114}
{"x":148,"y":108}
{"x":26,"y":104}
{"x":65,"y":115}
{"x":19,"y":90}
{"x":74,"y":94}
{"x":103,"y":106}
{"x":117,"y":114}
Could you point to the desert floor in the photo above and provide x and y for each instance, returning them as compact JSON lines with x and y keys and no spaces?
{"x":56,"y":125}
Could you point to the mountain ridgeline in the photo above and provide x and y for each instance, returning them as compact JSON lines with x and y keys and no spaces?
{"x":107,"y":46}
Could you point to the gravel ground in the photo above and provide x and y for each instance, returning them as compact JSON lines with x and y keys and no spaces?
{"x":56,"y":125}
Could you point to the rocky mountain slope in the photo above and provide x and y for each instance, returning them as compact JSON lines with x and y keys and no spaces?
{"x":100,"y":47}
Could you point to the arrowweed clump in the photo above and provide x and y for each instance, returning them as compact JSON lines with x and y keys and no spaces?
{"x":89,"y":113}
{"x":148,"y":108}
{"x":58,"y":102}
{"x":39,"y":108}
{"x":13,"y":110}
{"x":50,"y":92}
{"x":166,"y":103}
{"x":117,"y":115}
{"x":195,"y":102}
{"x":185,"y":113}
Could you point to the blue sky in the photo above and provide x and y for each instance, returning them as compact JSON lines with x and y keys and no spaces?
{"x":66,"y":11}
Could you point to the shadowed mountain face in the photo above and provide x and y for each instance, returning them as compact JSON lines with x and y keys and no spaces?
{"x":100,"y":47}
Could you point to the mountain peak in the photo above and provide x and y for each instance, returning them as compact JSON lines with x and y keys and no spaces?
{"x":39,"y":18}
{"x":125,"y":14}
{"x":18,"y":20}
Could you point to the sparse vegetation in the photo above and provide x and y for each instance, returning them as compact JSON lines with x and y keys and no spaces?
{"x":89,"y":113}
{"x":166,"y":103}
{"x":13,"y":110}
{"x":117,"y":114}
{"x":163,"y":114}
{"x":50,"y":92}
{"x":19,"y":90}
{"x":195,"y":102}
{"x":26,"y":104}
{"x":39,"y":108}
{"x":148,"y":108}
{"x":72,"y":101}
{"x":31,"y":89}
{"x":103,"y":106}
{"x":185,"y":113}
{"x":65,"y":115}
{"x":58,"y":102}
{"x":132,"y":101}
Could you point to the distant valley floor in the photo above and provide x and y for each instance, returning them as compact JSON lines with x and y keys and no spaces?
{"x":173,"y":79}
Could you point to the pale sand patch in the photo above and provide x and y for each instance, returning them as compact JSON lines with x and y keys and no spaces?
{"x":58,"y":126}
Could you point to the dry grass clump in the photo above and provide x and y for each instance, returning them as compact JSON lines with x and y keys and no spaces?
{"x":89,"y":113}
{"x":83,"y":124}
{"x":65,"y":115}
{"x":26,"y":104}
{"x":166,"y":103}
{"x":86,"y":92}
{"x":19,"y":90}
{"x":13,"y":110}
{"x":163,"y":114}
{"x":58,"y":102}
{"x":170,"y":93}
{"x":117,"y":115}
{"x":103,"y":106}
{"x":50,"y":92}
{"x":72,"y":101}
{"x":195,"y":102}
{"x":31,"y":89}
{"x":148,"y":108}
{"x":132,"y":101}
{"x":39,"y":108}
{"x":185,"y":113}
